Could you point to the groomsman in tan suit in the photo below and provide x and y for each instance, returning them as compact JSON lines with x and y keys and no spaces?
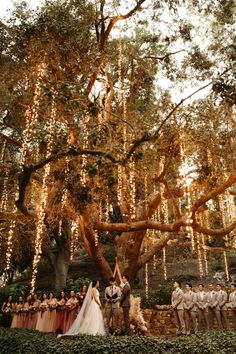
{"x":190,"y":309}
{"x":222,"y":300}
{"x":201,"y":302}
{"x":232,"y":302}
{"x":177,"y":304}
{"x":213,"y":307}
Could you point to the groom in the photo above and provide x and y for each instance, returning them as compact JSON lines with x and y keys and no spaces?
{"x":125,"y":302}
{"x":112,"y":295}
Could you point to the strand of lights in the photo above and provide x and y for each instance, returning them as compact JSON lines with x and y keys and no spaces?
{"x":85,"y":145}
{"x":75,"y":236}
{"x":226,"y":266}
{"x":40,"y":227}
{"x":3,"y":151}
{"x":120,"y":83}
{"x":166,"y":220}
{"x":205,"y":255}
{"x":64,"y":199}
{"x":119,"y":184}
{"x":10,"y":244}
{"x":31,"y":114}
{"x":146,"y":276}
{"x":132,"y":190}
{"x":164,"y":263}
{"x":189,"y":219}
{"x":4,"y":196}
{"x":199,"y":256}
{"x":95,"y":238}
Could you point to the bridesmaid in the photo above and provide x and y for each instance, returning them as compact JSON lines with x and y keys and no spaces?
{"x":27,"y":314}
{"x":61,"y":313}
{"x":7,"y":312}
{"x":81,"y":295}
{"x":50,"y":315}
{"x":18,"y":317}
{"x":42,"y":312}
{"x":71,"y":305}
{"x":34,"y":312}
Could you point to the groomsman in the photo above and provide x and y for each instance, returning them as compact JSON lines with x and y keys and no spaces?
{"x":213,"y":307}
{"x":177,"y":304}
{"x":125,"y":302}
{"x":222,"y":300}
{"x":201,"y":302}
{"x":112,"y":295}
{"x":232,"y":301}
{"x":190,"y":309}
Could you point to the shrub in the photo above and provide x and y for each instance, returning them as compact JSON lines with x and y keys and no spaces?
{"x":15,"y":341}
{"x":161,"y":296}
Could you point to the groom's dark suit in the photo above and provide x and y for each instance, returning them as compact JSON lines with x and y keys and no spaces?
{"x":125,"y":304}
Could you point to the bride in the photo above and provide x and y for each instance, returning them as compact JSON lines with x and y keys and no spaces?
{"x":89,"y":320}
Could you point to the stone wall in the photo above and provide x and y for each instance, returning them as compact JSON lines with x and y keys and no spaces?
{"x":162,"y":321}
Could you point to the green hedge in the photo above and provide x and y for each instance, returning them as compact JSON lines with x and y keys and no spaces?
{"x":15,"y":341}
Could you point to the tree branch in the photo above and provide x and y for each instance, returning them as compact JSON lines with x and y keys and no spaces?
{"x":139,"y":225}
{"x":153,"y":136}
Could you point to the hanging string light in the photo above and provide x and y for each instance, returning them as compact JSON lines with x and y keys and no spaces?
{"x":205,"y":255}
{"x":85,"y":146}
{"x":164,"y":263}
{"x":189,"y":218}
{"x":4,"y":196}
{"x":3,"y":151}
{"x":40,"y":227}
{"x":226,"y":266}
{"x":74,"y":239}
{"x":9,"y":250}
{"x":199,"y":255}
{"x":166,"y":220}
{"x":146,"y":275}
{"x":132,"y":190}
{"x":31,"y":114}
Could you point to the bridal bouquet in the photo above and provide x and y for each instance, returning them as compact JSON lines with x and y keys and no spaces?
{"x":43,"y":307}
{"x":52,"y":306}
{"x":8,"y":310}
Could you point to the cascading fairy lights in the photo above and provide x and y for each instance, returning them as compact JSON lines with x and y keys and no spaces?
{"x":74,"y":239}
{"x":85,"y":146}
{"x":146,"y":275}
{"x":199,"y":255}
{"x":166,"y":220}
{"x":189,"y":219}
{"x":40,"y":227}
{"x":132,"y":190}
{"x":3,"y":151}
{"x":205,"y":255}
{"x":31,"y":114}
{"x":226,"y":266}
{"x":4,"y":196}
{"x":10,"y":243}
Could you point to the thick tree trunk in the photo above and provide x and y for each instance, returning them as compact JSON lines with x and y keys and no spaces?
{"x":61,"y":266}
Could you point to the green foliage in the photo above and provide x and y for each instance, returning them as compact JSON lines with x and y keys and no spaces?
{"x":77,"y":284}
{"x":34,"y":342}
{"x":162,"y":296}
{"x":14,"y":291}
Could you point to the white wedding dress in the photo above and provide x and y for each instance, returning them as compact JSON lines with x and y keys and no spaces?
{"x":89,"y":320}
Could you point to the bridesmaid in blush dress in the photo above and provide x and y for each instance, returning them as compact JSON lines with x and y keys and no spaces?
{"x":34,"y":312}
{"x":49,"y":324}
{"x":42,"y":312}
{"x":71,"y":305}
{"x":61,"y":313}
{"x":26,"y":312}
{"x":18,"y":317}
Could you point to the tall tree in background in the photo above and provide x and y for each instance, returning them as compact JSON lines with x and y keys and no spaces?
{"x":93,"y":137}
